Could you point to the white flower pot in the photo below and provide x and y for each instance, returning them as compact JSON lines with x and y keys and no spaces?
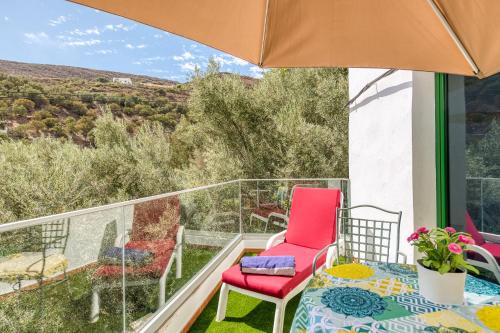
{"x":438,"y":288}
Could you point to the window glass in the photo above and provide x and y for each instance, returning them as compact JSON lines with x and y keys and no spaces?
{"x":474,"y":151}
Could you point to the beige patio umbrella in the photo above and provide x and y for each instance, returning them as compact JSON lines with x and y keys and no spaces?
{"x":451,"y":36}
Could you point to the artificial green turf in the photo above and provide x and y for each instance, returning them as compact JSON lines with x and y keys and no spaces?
{"x":244,"y":314}
{"x":68,"y":310}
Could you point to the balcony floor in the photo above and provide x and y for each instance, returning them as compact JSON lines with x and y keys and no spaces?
{"x":244,"y":315}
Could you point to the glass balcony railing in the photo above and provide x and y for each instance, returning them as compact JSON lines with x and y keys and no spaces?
{"x":114,"y":268}
{"x":483,"y":203}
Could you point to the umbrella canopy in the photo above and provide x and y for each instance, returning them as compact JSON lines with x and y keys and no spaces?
{"x":451,"y":36}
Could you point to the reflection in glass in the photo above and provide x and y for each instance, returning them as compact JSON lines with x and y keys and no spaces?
{"x":474,"y":150}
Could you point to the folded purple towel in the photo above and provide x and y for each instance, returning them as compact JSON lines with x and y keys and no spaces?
{"x":268,"y":265}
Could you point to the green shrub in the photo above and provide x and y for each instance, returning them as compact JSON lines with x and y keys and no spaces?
{"x":114,"y":108}
{"x":102,"y":79}
{"x":23,"y":105}
{"x":78,"y":108}
{"x":42,"y":114}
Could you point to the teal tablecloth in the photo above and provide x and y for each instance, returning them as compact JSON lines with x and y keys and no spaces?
{"x":388,"y":301}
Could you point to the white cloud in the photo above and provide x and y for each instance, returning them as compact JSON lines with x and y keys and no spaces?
{"x":158,"y":36}
{"x":158,"y":71}
{"x":223,"y":60}
{"x":36,"y":37}
{"x":139,"y":46}
{"x":256,"y":72}
{"x":189,"y":66}
{"x":59,"y":20}
{"x":119,"y":27}
{"x":185,"y":56}
{"x":91,"y":31}
{"x":148,"y":61}
{"x":6,"y":18}
{"x":100,"y":52}
{"x":238,"y":61}
{"x":89,"y":42}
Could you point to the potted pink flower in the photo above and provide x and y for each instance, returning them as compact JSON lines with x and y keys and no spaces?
{"x":442,"y":269}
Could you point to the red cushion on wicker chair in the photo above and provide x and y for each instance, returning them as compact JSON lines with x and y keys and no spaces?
{"x":276,"y":286}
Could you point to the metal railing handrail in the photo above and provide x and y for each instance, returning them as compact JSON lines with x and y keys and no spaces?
{"x":483,"y":178}
{"x":289,"y":179}
{"x":45,"y":219}
{"x":10,"y":226}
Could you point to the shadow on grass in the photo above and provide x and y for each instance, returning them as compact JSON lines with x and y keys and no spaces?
{"x":65,"y":307}
{"x":244,"y":314}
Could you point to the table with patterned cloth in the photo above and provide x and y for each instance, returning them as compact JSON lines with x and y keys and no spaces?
{"x":381,"y":297}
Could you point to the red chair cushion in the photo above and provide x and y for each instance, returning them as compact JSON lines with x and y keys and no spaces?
{"x":470,"y":228}
{"x":313,"y":217}
{"x":275,"y":286}
{"x":494,"y":249}
{"x":162,"y":251}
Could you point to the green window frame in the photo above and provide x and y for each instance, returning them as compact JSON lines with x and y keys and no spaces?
{"x":442,"y":195}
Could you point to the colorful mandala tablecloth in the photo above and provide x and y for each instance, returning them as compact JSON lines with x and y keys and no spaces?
{"x":388,"y":301}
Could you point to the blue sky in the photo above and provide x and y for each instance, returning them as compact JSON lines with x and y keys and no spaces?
{"x":62,"y":33}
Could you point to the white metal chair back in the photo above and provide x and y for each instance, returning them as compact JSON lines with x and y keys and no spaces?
{"x":361,"y":239}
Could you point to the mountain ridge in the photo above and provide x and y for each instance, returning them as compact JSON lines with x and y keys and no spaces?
{"x":48,"y":71}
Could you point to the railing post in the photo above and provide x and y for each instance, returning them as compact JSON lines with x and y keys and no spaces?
{"x":481,"y":203}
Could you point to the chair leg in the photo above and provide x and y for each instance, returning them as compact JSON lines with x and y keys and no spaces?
{"x":95,"y":307}
{"x":162,"y":289}
{"x":178,"y":262}
{"x":279,"y":316}
{"x":221,"y":308}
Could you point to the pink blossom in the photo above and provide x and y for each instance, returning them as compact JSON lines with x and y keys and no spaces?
{"x":422,"y":230}
{"x":413,"y":236}
{"x":454,"y":248}
{"x":451,"y":230}
{"x":466,"y":239}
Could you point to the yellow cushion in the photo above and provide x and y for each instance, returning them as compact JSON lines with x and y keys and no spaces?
{"x":28,"y":265}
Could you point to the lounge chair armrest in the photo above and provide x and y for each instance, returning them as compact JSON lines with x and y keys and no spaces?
{"x":405,"y":257}
{"x":492,"y":238}
{"x":490,"y":259}
{"x":276,"y":239}
{"x":319,"y":254}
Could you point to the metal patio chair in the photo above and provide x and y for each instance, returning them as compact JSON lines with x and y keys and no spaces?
{"x":148,"y":233}
{"x":361,"y":239}
{"x":276,"y":212}
{"x":39,"y":257}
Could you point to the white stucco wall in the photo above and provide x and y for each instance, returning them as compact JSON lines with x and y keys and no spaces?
{"x":391,"y":146}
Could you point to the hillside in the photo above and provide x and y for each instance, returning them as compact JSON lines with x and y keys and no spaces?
{"x":63,"y":102}
{"x":42,"y":71}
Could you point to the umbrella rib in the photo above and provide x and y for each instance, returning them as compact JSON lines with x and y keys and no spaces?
{"x":453,"y":36}
{"x":264,"y":33}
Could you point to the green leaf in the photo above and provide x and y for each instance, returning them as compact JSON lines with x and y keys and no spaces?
{"x":445,"y":268}
{"x":471,"y":268}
